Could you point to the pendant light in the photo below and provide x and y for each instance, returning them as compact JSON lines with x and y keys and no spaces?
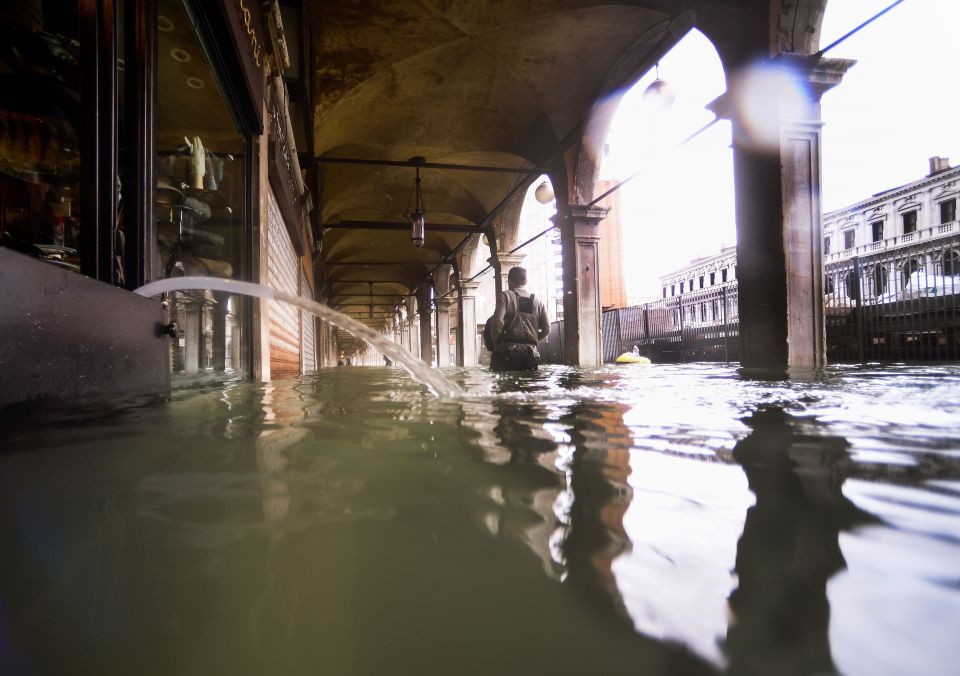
{"x":418,"y":218}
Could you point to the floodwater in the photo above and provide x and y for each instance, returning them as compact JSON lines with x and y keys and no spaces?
{"x":623,"y":520}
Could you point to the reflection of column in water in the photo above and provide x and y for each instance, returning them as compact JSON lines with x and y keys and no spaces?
{"x":601,"y":495}
{"x":219,"y":330}
{"x":789,"y":548}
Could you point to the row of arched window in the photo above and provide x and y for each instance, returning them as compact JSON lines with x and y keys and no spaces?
{"x":876,"y":279}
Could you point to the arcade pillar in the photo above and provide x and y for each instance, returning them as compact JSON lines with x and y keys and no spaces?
{"x":580,"y":241}
{"x":778,"y":209}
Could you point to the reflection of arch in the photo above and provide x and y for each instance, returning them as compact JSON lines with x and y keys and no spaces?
{"x":879,"y":278}
{"x":950,"y":263}
{"x":910,"y":266}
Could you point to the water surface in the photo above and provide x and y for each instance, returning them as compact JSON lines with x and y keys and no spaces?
{"x":621,"y":520}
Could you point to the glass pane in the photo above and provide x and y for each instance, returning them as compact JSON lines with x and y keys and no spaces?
{"x":200,"y":195}
{"x":39,"y":131}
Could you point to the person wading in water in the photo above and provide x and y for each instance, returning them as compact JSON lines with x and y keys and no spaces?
{"x":517,"y":325}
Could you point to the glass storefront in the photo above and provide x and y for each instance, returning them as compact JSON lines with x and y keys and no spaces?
{"x":200,"y":196}
{"x":127,"y":157}
{"x":40,"y":121}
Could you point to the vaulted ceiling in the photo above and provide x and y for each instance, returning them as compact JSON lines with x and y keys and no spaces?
{"x":504,"y":84}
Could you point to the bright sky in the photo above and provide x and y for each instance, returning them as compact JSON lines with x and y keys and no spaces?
{"x":891,"y":113}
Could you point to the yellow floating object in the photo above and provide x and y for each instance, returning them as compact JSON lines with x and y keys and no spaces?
{"x":631,"y":358}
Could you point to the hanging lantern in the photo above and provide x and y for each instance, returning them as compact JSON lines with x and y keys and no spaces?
{"x":418,"y":219}
{"x":659,"y":95}
{"x":544,"y":192}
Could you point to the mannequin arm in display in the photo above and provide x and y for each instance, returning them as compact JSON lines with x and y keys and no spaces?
{"x":198,"y":164}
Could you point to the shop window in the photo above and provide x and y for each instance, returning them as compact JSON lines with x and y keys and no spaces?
{"x":876,"y":229}
{"x":909,"y":222}
{"x":826,"y":245}
{"x":948,"y":211}
{"x":200,"y":193}
{"x":849,"y":238}
{"x":40,"y":133}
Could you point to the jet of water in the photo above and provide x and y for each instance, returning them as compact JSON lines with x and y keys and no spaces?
{"x":421,"y":372}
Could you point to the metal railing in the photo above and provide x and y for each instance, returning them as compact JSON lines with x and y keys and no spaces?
{"x":895,"y":305}
{"x":898,"y":304}
{"x":699,"y":326}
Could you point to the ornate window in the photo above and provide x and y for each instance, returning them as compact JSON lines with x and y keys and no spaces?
{"x":950,"y":263}
{"x":910,"y":266}
{"x":948,"y":211}
{"x":909,"y":222}
{"x":852,"y":284}
{"x":879,"y":279}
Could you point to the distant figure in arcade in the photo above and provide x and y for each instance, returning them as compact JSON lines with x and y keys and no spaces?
{"x":517,"y":325}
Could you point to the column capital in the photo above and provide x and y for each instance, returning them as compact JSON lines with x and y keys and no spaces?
{"x":818,"y":73}
{"x":581,"y":213}
{"x":443,"y":304}
{"x":583,"y":222}
{"x":469,"y":289}
{"x":507,"y":260}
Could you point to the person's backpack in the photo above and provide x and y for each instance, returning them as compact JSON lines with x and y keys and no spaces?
{"x":522,"y":326}
{"x":488,"y":336}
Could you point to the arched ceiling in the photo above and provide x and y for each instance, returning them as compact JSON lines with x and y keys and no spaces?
{"x":492,"y":83}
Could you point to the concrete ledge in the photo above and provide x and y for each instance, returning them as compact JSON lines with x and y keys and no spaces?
{"x":67,"y":338}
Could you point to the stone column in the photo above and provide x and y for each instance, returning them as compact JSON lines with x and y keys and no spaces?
{"x":443,"y":331}
{"x":220,"y":330}
{"x":467,"y":326}
{"x":192,"y":337}
{"x":443,"y":302}
{"x":424,"y":307}
{"x":580,"y":240}
{"x":412,"y":324}
{"x":779,"y":215}
{"x":502,"y":264}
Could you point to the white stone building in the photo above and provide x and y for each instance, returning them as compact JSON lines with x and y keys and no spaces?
{"x":898,"y":233}
{"x":887,"y":240}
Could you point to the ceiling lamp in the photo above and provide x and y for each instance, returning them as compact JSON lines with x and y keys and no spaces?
{"x":544,"y":192}
{"x":659,"y":95}
{"x":418,"y":218}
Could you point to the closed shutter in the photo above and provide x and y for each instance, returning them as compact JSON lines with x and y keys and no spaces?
{"x":283,"y":274}
{"x":307,"y":329}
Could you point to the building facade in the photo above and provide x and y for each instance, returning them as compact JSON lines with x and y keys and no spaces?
{"x":903,"y":237}
{"x":877,"y":250}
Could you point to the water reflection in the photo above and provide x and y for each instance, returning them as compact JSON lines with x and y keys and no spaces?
{"x":789,"y":548}
{"x":600,"y":495}
{"x":665,"y":520}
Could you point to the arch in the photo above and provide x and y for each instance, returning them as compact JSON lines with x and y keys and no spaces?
{"x":878,"y":278}
{"x":950,"y":263}
{"x":908,"y":268}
